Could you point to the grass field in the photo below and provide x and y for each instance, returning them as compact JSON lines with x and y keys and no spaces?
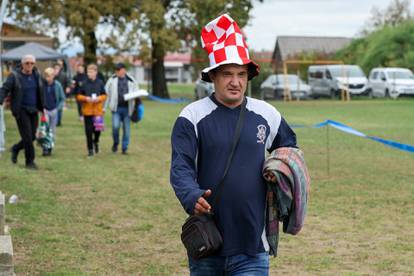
{"x":117,"y":215}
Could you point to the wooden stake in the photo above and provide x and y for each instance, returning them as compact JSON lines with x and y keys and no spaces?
{"x":328,"y":159}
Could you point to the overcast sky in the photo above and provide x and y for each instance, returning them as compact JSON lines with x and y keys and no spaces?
{"x":307,"y":17}
{"x":300,"y":17}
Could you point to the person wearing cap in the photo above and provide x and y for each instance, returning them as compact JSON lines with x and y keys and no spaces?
{"x":201,"y":141}
{"x":92,"y":96}
{"x":27,"y":98}
{"x":116,"y":87}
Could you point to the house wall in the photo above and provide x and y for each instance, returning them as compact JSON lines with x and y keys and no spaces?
{"x":176,"y":74}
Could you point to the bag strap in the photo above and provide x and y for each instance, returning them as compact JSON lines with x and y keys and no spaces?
{"x":236,"y":137}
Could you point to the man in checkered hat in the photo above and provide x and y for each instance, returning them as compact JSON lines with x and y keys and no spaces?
{"x":201,"y":141}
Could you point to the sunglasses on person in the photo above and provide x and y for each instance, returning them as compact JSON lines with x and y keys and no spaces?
{"x":29,"y":63}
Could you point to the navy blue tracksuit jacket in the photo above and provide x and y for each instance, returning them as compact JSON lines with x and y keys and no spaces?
{"x":201,"y":142}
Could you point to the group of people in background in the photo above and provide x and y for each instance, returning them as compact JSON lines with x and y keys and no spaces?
{"x":32,"y":92}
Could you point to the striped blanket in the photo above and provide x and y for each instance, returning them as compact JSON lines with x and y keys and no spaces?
{"x":288,"y":187}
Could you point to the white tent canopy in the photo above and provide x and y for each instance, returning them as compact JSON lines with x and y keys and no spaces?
{"x":40,"y":52}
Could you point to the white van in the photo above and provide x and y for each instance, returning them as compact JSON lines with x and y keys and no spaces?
{"x":329,"y":80}
{"x":391,"y":82}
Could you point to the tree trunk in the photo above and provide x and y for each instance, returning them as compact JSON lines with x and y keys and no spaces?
{"x":159,"y":83}
{"x":90,"y":44}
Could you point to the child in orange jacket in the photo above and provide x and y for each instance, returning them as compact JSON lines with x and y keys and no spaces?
{"x":92,"y":97}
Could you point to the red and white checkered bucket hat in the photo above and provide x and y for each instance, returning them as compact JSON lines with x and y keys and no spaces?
{"x":224,"y":43}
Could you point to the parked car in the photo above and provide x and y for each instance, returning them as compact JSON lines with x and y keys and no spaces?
{"x":391,"y":82}
{"x":203,"y":89}
{"x":329,"y":80}
{"x":274,"y":86}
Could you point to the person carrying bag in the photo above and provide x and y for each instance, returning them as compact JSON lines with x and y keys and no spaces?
{"x":230,"y":237}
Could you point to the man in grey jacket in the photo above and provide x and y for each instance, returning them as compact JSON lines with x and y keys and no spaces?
{"x":116,"y":87}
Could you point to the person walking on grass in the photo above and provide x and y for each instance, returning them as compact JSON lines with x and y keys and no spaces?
{"x":201,"y":141}
{"x":25,"y":86}
{"x":92,"y":96}
{"x":60,"y":76}
{"x":116,"y":87}
{"x":54,"y":101}
{"x":77,"y":82}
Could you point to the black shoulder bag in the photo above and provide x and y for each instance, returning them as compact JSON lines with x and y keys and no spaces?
{"x":135,"y":116}
{"x":200,"y":234}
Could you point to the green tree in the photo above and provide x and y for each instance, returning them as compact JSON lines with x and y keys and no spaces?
{"x":388,"y":47}
{"x":175,"y":24}
{"x":161,"y":37}
{"x":386,"y":39}
{"x":397,"y":12}
{"x":150,"y":27}
{"x":81,"y":18}
{"x":129,"y":23}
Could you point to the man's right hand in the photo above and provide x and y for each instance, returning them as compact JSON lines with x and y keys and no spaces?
{"x":202,"y":206}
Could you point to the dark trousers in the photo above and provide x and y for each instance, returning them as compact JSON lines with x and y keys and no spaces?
{"x":92,"y":136}
{"x":59,"y":118}
{"x":79,"y":108}
{"x":26,"y":123}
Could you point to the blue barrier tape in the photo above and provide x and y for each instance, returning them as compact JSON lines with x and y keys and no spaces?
{"x":393,"y":144}
{"x":350,"y":130}
{"x":297,"y":126}
{"x":171,"y":101}
{"x":341,"y":127}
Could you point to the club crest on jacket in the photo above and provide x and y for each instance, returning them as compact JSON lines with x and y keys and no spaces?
{"x":261,"y":134}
